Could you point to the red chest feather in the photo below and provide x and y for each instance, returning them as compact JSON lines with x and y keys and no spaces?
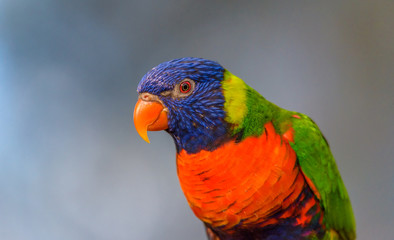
{"x":242,"y":182}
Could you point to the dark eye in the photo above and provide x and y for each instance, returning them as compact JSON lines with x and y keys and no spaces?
{"x":185,"y":87}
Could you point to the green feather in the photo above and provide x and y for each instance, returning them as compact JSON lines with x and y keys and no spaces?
{"x":312,"y":150}
{"x":318,"y":164}
{"x":247,"y":110}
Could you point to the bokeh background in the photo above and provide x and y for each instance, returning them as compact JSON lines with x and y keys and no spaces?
{"x":71,"y":163}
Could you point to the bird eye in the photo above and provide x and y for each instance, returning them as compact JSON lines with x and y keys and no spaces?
{"x":185,"y":87}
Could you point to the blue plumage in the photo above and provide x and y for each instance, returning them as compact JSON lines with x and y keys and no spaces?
{"x":164,"y":76}
{"x":196,"y":122}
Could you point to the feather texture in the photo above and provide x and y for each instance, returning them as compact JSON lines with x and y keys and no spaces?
{"x":248,"y":168}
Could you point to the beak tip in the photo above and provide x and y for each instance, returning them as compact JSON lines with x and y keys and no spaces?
{"x":146,"y":139}
{"x":144,"y":135}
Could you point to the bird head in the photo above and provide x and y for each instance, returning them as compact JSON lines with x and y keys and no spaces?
{"x":186,"y":98}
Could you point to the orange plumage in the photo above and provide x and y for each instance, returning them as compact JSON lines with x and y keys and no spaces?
{"x":244,"y":182}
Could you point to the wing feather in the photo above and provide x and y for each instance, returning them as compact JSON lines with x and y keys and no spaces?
{"x":318,"y":164}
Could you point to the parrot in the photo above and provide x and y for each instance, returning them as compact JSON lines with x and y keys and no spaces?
{"x":248,"y":168}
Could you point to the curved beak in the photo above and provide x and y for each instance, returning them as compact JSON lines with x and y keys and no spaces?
{"x":149,"y":115}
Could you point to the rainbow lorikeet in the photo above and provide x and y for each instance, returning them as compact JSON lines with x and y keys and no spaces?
{"x":248,"y":168}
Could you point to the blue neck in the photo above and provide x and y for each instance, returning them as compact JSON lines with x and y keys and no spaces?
{"x":199,"y":125}
{"x":203,"y":139}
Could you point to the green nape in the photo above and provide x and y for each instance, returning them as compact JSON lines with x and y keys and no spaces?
{"x":247,"y":111}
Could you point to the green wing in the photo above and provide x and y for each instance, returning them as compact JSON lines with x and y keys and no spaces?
{"x":318,"y":164}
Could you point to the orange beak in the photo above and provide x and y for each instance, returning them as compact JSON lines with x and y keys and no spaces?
{"x":149,"y":116}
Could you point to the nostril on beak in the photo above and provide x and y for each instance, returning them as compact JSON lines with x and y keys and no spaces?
{"x":146,"y":96}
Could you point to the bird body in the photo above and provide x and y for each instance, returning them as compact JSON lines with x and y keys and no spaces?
{"x":248,"y":183}
{"x":248,"y":168}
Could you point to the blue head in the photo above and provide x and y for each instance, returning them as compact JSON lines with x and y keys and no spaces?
{"x":191,"y":90}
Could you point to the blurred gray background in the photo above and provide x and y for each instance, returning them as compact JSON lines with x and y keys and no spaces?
{"x":71,"y":163}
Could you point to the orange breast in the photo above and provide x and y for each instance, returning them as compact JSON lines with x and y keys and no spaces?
{"x":244,"y":181}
